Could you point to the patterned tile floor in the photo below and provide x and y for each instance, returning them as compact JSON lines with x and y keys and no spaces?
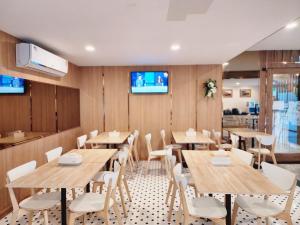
{"x":148,"y":203}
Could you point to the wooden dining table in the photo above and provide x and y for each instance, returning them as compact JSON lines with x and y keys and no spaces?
{"x":181,"y":138}
{"x":236,"y":178}
{"x":104,"y":139}
{"x":246,"y":133}
{"x":53,"y":175}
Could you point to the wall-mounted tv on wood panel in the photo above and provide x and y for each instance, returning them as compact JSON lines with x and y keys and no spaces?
{"x":11,"y":85}
{"x":149,"y":82}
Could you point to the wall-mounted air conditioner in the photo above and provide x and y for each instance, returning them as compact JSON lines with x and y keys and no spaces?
{"x":33,"y":57}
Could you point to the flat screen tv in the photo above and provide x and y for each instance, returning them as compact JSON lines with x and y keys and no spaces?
{"x":11,"y":85}
{"x":149,"y":82}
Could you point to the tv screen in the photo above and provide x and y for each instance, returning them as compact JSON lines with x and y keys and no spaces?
{"x":149,"y":82}
{"x":11,"y":85}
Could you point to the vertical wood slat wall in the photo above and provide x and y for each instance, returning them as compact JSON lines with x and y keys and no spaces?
{"x":107,"y":103}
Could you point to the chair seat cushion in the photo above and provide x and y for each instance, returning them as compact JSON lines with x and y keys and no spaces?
{"x":174,"y":146}
{"x":263,"y":151}
{"x":206,"y":207}
{"x":258,"y":206}
{"x":41,"y":201}
{"x":158,"y":153}
{"x":89,"y":202}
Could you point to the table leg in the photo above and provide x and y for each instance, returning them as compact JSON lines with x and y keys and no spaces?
{"x":252,"y":142}
{"x":63,"y":200}
{"x":228,"y":208}
{"x":240,"y":142}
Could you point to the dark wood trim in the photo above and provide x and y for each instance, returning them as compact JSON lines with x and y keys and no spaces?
{"x":241,"y":74}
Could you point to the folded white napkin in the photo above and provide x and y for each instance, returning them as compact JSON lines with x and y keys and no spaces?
{"x":114,"y":134}
{"x":190,"y":133}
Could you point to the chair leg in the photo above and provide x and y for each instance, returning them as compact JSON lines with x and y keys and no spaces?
{"x":95,"y":185}
{"x":14,"y":217}
{"x":30,"y":217}
{"x":72,"y":218}
{"x":46,"y":220}
{"x":178,"y":216}
{"x":273,"y":158}
{"x":234,"y":213}
{"x":169,"y":191}
{"x":127,"y":189}
{"x":106,"y":217}
{"x":267,"y":220}
{"x":173,"y":196}
{"x":117,"y":212}
{"x":258,"y":161}
{"x":122,"y":200}
{"x":196,"y":192}
{"x":147,"y":166}
{"x":258,"y":221}
{"x":73,"y":193}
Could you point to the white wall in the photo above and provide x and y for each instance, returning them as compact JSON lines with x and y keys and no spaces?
{"x":236,"y":101}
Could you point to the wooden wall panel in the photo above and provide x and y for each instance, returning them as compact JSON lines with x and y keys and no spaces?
{"x":183,"y":97}
{"x":116,"y":86}
{"x":68,"y":108}
{"x":91,"y":99}
{"x":209,"y":111}
{"x":43,"y":107}
{"x":18,"y":107}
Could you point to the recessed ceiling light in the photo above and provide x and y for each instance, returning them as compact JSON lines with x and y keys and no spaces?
{"x":291,"y":25}
{"x":175,"y":47}
{"x":225,"y":64}
{"x":284,"y":62}
{"x":90,"y":48}
{"x":237,"y":83}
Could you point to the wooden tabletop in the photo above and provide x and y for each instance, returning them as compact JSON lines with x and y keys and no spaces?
{"x":237,"y":178}
{"x":95,"y":155}
{"x":11,"y":140}
{"x":245,"y":132}
{"x":104,"y":138}
{"x":181,"y":138}
{"x":52,"y":175}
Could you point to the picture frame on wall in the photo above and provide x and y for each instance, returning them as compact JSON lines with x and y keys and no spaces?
{"x":227,"y":93}
{"x":245,"y":93}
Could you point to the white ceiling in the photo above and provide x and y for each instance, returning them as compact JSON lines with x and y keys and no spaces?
{"x":137,"y":32}
{"x":284,"y":39}
{"x":252,"y":82}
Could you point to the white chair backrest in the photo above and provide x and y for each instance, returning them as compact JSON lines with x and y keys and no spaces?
{"x":130,"y":139}
{"x":123,"y":155}
{"x":21,"y":171}
{"x":111,"y":177}
{"x":191,"y":130}
{"x":216,"y":134}
{"x":81,"y":141}
{"x":136,"y":133}
{"x":206,"y":133}
{"x":170,"y":162}
{"x":53,"y":154}
{"x":93,"y":134}
{"x":234,"y":140}
{"x":246,"y":157}
{"x":279,"y":176}
{"x":265,"y":140}
{"x":148,"y":142}
{"x":177,"y":170}
{"x":181,"y":180}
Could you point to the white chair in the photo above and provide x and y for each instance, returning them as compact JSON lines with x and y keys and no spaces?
{"x":217,"y":136}
{"x":81,"y":141}
{"x":172,"y":171}
{"x":95,"y":202}
{"x":201,"y":207}
{"x":263,"y":208}
{"x":120,"y":167}
{"x":36,"y":202}
{"x":234,"y":140}
{"x":246,"y":157}
{"x":206,"y":133}
{"x":263,"y":142}
{"x":93,"y":134}
{"x":157,"y":154}
{"x":53,"y":154}
{"x":174,"y":147}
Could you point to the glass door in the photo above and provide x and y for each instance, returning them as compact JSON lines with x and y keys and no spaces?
{"x":286,"y":112}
